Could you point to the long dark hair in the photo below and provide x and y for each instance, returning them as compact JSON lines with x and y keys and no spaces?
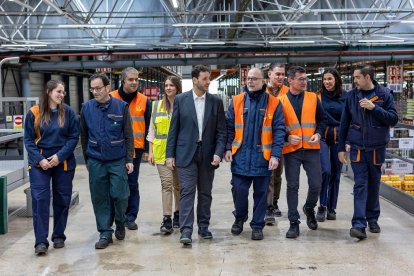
{"x":44,"y":107}
{"x":177,"y":83}
{"x":338,"y":82}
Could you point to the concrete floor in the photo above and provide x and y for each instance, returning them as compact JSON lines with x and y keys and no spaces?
{"x":327,"y":251}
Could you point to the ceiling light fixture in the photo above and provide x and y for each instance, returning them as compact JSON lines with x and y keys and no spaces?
{"x":175,"y":3}
{"x":292,"y":42}
{"x":203,"y":43}
{"x":113,"y":44}
{"x":23,"y":45}
{"x":214,"y":24}
{"x":87,"y":26}
{"x":315,"y":23}
{"x":381,"y":40}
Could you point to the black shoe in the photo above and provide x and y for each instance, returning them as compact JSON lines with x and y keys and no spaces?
{"x":166,"y":225}
{"x":276,"y":211}
{"x":358,"y":233}
{"x":131,"y":225}
{"x":176,"y":219}
{"x":58,"y":243}
{"x":270,"y":215}
{"x":293,"y":231}
{"x":321,"y":214}
{"x":310,"y":218}
{"x":237,"y":227}
{"x":374,"y":227}
{"x":103,"y":243}
{"x":185,"y":237}
{"x":41,"y":249}
{"x":120,"y":232}
{"x":205,"y":233}
{"x":331,"y":215}
{"x":257,"y":234}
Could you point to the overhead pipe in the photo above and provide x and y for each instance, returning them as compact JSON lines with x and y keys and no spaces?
{"x":36,"y":66}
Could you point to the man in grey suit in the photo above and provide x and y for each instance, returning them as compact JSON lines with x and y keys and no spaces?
{"x":195,"y":145}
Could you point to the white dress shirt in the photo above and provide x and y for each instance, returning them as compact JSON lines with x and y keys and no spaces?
{"x":200,"y":103}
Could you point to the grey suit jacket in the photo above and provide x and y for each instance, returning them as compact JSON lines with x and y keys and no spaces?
{"x":183,"y":134}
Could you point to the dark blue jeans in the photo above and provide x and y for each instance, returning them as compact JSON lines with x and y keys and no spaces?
{"x":62,"y":194}
{"x":241,"y":185}
{"x":331,"y":175}
{"x":310,"y":159}
{"x":134,"y":198}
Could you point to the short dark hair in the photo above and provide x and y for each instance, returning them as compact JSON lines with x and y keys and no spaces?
{"x":276,"y":64}
{"x":103,"y":77}
{"x":195,"y":73}
{"x":338,"y":81}
{"x":366,"y":69}
{"x":291,"y":72}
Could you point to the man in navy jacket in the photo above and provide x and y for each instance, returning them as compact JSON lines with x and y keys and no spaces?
{"x":369,"y":113}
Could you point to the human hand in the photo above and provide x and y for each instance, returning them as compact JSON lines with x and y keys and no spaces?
{"x":294,"y":139}
{"x":365,"y":103}
{"x":53,"y":160}
{"x":44,"y":164}
{"x":228,"y":156}
{"x":170,"y":163}
{"x":151,"y":158}
{"x":129,"y":167}
{"x":216,"y":160}
{"x":273,"y":163}
{"x":314,"y":138}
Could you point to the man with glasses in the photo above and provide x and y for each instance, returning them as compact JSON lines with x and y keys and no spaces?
{"x":277,"y":88}
{"x":305,"y":121}
{"x":255,"y":137}
{"x":108,"y":147}
{"x":140,"y":110}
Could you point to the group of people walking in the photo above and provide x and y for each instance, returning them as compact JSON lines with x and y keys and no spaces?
{"x":186,"y":136}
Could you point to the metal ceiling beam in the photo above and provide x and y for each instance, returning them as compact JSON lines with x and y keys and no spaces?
{"x":36,"y":66}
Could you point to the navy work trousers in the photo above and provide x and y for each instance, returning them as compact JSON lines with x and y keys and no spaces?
{"x":62,"y":194}
{"x":331,"y":175}
{"x":367,"y":178}
{"x":240,"y":190}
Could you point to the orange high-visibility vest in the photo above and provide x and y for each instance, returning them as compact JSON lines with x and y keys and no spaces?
{"x":306,"y":128}
{"x":267,"y":133}
{"x":283,"y":90}
{"x":136,"y":109}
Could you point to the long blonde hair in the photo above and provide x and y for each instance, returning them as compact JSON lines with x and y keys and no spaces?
{"x":44,"y":107}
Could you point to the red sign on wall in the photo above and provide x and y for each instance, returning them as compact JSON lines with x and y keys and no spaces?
{"x":152,"y":92}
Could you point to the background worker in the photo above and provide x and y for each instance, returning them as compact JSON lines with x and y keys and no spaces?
{"x":157,"y":138}
{"x":332,"y":97}
{"x":369,"y":113}
{"x":108,"y":147}
{"x":277,"y":88}
{"x":140,"y":110}
{"x":305,"y":123}
{"x":51,"y":132}
{"x":255,"y":137}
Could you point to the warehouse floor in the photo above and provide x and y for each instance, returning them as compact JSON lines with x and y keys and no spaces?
{"x":326,"y":251}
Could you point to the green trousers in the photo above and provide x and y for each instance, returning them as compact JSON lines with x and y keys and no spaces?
{"x":108,"y":180}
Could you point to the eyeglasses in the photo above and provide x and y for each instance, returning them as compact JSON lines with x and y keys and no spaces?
{"x":301,"y":79}
{"x":97,"y":89}
{"x":253,"y":79}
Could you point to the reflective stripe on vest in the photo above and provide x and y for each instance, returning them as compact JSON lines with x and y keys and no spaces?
{"x":267,"y":133}
{"x":307,"y":127}
{"x":161,"y":122}
{"x":137,"y":110}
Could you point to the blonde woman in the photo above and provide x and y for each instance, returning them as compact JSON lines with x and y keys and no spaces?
{"x":157,"y":138}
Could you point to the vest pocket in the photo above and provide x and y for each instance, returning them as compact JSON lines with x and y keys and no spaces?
{"x":355,"y":155}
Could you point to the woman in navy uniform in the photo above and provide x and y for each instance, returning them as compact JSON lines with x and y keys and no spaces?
{"x":50,"y":137}
{"x":332,"y":97}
